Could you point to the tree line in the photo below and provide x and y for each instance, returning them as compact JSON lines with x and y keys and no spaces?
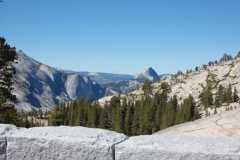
{"x":145,"y":116}
{"x":223,"y":95}
{"x":225,"y":58}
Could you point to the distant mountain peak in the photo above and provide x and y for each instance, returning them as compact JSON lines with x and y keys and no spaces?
{"x":149,"y":74}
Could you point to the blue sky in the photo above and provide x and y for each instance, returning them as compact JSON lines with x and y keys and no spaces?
{"x":122,"y":36}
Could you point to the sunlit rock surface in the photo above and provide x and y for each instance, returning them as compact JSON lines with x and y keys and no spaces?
{"x":37,"y":85}
{"x":57,"y":143}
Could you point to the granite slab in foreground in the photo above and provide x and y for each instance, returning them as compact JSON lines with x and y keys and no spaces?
{"x":58,"y":143}
{"x":215,"y":138}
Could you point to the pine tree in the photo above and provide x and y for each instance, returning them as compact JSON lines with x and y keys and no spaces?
{"x":114,"y":115}
{"x":206,"y":96}
{"x":147,"y":87}
{"x":238,"y":55}
{"x":105,"y":118}
{"x":197,"y":69}
{"x":123,"y":112}
{"x":57,"y":116}
{"x":228,"y":95}
{"x":188,"y":111}
{"x":147,"y":116}
{"x":92,"y":116}
{"x":235,"y":95}
{"x":194,"y":113}
{"x":157,"y":112}
{"x":136,"y":119}
{"x":117,"y":119}
{"x":129,"y":121}
{"x":226,"y":57}
{"x":162,"y":102}
{"x":219,"y":99}
{"x":8,"y":56}
{"x":166,"y":116}
{"x":172,"y":111}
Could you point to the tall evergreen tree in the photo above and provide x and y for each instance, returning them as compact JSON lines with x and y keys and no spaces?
{"x":188,"y":111}
{"x":157,"y":112}
{"x":228,"y":94}
{"x":172,"y":111}
{"x":57,"y":116}
{"x":129,"y":120}
{"x":147,"y":116}
{"x":238,"y":55}
{"x":136,"y":130}
{"x":219,"y":99}
{"x":123,"y":112}
{"x":162,"y":101}
{"x":226,"y":57}
{"x":92,"y":116}
{"x":8,"y":56}
{"x":235,"y":95}
{"x":114,"y":107}
{"x":147,"y":87}
{"x":206,"y":96}
{"x":105,"y":119}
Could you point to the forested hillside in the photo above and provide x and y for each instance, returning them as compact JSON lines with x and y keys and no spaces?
{"x":146,"y":116}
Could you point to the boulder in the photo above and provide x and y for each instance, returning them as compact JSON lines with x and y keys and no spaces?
{"x":58,"y":143}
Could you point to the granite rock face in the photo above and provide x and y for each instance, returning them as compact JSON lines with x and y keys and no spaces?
{"x":37,"y":85}
{"x":148,"y":74}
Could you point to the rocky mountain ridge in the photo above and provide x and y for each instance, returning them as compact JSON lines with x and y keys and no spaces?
{"x":124,"y":87}
{"x":107,"y":78}
{"x":38,"y":85}
{"x":225,"y":72}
